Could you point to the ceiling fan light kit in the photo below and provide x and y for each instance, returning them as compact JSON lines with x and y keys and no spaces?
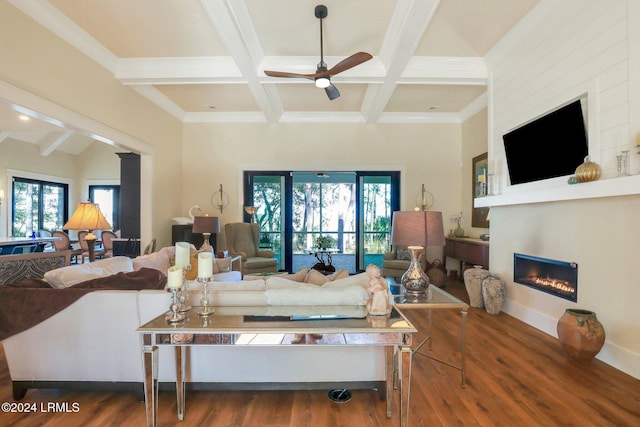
{"x":322,"y":76}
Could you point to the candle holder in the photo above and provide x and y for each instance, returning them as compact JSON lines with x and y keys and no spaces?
{"x":174,"y":316}
{"x":206,"y":310}
{"x":184,"y":292}
{"x":623,"y":163}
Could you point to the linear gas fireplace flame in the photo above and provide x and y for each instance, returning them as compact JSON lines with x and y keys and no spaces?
{"x":559,"y":278}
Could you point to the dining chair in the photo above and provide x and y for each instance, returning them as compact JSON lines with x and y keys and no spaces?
{"x":65,"y":244}
{"x":107,"y":242}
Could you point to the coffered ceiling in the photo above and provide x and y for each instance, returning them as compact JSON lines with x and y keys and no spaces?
{"x":204,"y":60}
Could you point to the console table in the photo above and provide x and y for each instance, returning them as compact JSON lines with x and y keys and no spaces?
{"x":468,"y":251}
{"x":229,"y":324}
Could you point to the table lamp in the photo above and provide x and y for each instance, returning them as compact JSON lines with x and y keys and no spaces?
{"x":88,"y":217}
{"x":206,"y":225}
{"x":416,"y":230}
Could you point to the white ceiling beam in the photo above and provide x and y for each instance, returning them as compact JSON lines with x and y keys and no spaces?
{"x":4,"y":135}
{"x":408,"y":23}
{"x":223,"y":70}
{"x":52,"y":141}
{"x":232,"y":20}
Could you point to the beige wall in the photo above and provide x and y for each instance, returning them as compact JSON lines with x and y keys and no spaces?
{"x":474,"y":137}
{"x":217,"y":154}
{"x":44,"y":66}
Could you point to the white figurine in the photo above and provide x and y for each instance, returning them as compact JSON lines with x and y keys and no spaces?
{"x":379,"y":303}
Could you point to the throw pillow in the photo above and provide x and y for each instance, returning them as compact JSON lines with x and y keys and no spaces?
{"x":298,"y":276}
{"x":403,"y":253}
{"x":340,"y":274}
{"x":74,"y":274}
{"x":193,"y":273}
{"x":360,"y":279}
{"x":160,"y":260}
{"x":314,"y":277}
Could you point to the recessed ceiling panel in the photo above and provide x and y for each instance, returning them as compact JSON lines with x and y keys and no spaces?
{"x":211,"y":97}
{"x":470,"y":27}
{"x":291,"y":28}
{"x":432,"y":98}
{"x":306,"y":97}
{"x":146,"y":28}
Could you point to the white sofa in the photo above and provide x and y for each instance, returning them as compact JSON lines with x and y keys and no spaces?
{"x":94,"y":343}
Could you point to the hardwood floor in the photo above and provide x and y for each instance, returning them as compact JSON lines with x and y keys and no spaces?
{"x":516,"y":376}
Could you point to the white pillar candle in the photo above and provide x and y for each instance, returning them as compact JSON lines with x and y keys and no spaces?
{"x":182,"y":253}
{"x":205,"y":265}
{"x":175,"y":277}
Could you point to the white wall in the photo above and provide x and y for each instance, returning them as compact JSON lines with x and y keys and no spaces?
{"x":564,"y":49}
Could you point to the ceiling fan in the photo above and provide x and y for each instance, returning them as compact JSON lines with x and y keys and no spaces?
{"x":322,"y":76}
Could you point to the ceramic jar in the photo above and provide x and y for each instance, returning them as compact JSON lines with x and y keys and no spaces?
{"x":473,"y":278}
{"x":493,"y":294}
{"x":580,"y":334}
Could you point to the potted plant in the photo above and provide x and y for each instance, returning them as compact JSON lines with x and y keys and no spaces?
{"x":324,"y":242}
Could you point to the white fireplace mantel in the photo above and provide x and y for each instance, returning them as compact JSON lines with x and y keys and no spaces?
{"x":559,"y":190}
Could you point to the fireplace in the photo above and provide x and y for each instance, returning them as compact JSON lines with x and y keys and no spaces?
{"x":559,"y":278}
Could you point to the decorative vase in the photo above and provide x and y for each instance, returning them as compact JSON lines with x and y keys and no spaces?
{"x":587,"y":171}
{"x":458,"y":232}
{"x":473,"y":278}
{"x":493,"y":293}
{"x":580,"y":334}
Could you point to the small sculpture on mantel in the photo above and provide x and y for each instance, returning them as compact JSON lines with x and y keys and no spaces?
{"x":379,"y":303}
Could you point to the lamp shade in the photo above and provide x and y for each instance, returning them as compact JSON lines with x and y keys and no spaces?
{"x":87,"y":217}
{"x":206,"y":224}
{"x":417,"y":228}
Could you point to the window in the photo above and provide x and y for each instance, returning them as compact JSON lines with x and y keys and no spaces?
{"x":108,"y":198}
{"x":38,"y":205}
{"x":352,"y":209}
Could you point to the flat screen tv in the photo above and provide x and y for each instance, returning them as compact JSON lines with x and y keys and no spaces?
{"x":551,"y":146}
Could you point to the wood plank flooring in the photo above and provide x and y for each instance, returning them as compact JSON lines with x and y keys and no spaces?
{"x":516,"y":376}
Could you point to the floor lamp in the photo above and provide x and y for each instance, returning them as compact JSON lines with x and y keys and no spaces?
{"x":206,"y":225}
{"x":88,"y":217}
{"x":416,"y":230}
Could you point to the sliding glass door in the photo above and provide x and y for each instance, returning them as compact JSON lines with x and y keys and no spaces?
{"x":351,"y":211}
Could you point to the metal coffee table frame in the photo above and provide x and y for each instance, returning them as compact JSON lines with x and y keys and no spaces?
{"x":438,"y":299}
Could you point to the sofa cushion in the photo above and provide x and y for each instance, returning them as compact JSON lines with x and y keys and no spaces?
{"x":315,"y":295}
{"x":281,"y":282}
{"x":160,"y":260}
{"x":74,"y":274}
{"x":314,"y":277}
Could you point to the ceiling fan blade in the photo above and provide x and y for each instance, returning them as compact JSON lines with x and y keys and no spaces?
{"x":350,"y":62}
{"x":332,"y":92}
{"x":288,"y":74}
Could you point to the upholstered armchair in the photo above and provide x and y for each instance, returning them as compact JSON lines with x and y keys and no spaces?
{"x":396,"y":262}
{"x":243,"y":239}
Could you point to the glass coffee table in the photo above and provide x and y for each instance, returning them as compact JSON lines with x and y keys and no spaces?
{"x":229,"y":325}
{"x":438,"y":299}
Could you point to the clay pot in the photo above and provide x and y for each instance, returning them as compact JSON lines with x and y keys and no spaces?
{"x":493,"y":293}
{"x":473,"y":278}
{"x":580,"y":333}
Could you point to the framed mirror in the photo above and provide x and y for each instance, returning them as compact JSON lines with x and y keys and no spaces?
{"x":480,"y":188}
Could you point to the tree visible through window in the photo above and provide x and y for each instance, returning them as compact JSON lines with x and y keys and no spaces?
{"x":38,"y":205}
